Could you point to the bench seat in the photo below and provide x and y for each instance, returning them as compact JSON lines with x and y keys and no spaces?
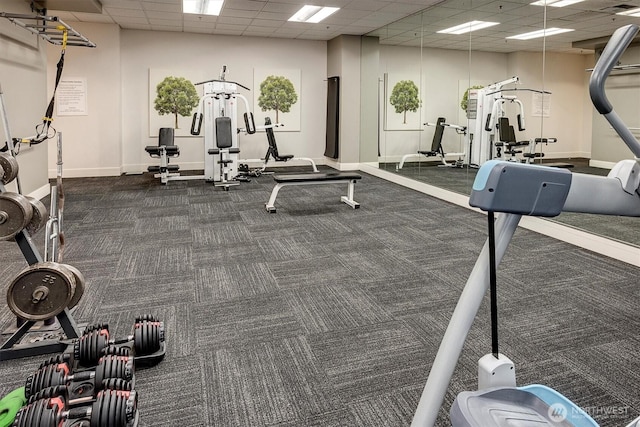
{"x":283,"y":180}
{"x":316,"y":176}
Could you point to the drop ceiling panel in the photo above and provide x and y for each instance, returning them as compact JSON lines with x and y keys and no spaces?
{"x":395,"y":22}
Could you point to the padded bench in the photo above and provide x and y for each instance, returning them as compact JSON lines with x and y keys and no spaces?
{"x":283,"y":180}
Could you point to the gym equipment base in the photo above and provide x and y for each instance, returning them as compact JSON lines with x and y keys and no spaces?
{"x":39,"y":341}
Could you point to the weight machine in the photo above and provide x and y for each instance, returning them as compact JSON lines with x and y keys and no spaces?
{"x":512,"y":190}
{"x":436,"y":145}
{"x":218,"y":108}
{"x":484,"y":109}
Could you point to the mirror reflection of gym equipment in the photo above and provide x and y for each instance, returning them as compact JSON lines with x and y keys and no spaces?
{"x":436,"y":145}
{"x":512,"y":190}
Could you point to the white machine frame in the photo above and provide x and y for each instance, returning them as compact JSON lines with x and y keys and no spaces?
{"x":220,"y":99}
{"x":486,"y":103}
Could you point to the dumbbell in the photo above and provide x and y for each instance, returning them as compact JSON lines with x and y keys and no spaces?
{"x":147,"y":338}
{"x":111,"y":408}
{"x":81,"y":386}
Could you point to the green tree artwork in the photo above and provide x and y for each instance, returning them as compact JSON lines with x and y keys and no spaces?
{"x":404,"y":97}
{"x":464,"y":103}
{"x":175,"y":95}
{"x":277,"y":93}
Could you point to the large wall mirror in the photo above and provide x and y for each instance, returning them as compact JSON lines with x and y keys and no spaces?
{"x":522,"y":77}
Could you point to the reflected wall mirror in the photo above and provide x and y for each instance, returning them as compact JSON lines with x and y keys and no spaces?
{"x":427,"y":76}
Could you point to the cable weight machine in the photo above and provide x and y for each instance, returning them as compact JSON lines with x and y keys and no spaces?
{"x":218,"y":109}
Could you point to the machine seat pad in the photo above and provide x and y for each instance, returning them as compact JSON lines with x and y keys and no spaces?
{"x":230,"y":151}
{"x":316,"y":176}
{"x":284,"y":158}
{"x":155,"y":150}
{"x":518,"y":144}
{"x":428,"y":153}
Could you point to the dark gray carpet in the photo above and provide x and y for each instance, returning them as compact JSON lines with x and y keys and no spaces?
{"x":460,"y":180}
{"x":320,"y":315}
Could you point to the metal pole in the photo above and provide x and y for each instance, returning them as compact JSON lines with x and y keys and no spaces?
{"x":7,"y":132}
{"x":460,"y":324}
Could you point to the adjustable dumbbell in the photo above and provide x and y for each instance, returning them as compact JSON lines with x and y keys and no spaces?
{"x":81,"y":386}
{"x":146,"y":342}
{"x":111,"y":408}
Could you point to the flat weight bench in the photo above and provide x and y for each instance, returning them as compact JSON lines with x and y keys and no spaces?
{"x":283,"y":180}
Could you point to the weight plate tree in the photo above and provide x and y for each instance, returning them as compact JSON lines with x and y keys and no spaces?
{"x":41,"y":291}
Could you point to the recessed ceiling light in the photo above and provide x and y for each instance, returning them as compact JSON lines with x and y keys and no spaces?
{"x":202,"y":7}
{"x":540,"y":33}
{"x":313,"y":14}
{"x":555,"y":3}
{"x":631,"y":12}
{"x":468,"y":27}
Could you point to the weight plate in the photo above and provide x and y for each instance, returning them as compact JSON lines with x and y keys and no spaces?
{"x":41,"y":291}
{"x":39,"y":217}
{"x":80,"y":285}
{"x":15,"y":214}
{"x":8,"y":168}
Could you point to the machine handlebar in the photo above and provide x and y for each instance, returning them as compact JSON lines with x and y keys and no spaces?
{"x":612,"y":52}
{"x":620,"y":40}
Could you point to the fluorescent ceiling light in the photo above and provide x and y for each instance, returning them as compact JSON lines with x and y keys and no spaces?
{"x":313,"y":14}
{"x":202,"y":7}
{"x":555,"y":3}
{"x":631,"y":12}
{"x":468,"y":27}
{"x":540,"y":33}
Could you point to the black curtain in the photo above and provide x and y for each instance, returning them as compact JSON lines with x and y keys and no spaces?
{"x":333,"y":117}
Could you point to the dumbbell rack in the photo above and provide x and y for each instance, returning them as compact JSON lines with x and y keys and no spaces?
{"x":12,"y":348}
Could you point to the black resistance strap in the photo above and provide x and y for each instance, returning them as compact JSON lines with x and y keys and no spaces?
{"x":493,"y":292}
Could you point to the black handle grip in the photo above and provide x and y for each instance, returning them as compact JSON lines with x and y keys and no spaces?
{"x":196,"y":124}
{"x":249,"y":124}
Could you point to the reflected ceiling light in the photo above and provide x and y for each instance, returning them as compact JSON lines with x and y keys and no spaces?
{"x":202,"y":7}
{"x":468,"y":27}
{"x":631,"y":12}
{"x":555,"y":3}
{"x":540,"y":33}
{"x":313,"y":14}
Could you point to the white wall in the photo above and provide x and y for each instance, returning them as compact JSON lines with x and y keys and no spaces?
{"x":24,"y":86}
{"x":91,"y":144}
{"x":344,"y":61}
{"x":623,"y":91}
{"x":142,"y":50}
{"x":564,"y":77}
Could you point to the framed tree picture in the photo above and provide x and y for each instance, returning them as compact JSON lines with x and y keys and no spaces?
{"x":402,"y":102}
{"x":276,"y":94}
{"x":173,"y":99}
